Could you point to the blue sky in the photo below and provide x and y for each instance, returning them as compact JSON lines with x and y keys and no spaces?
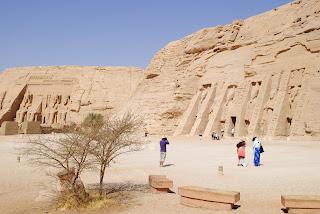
{"x":107,"y":32}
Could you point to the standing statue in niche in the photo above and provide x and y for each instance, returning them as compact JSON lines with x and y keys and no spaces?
{"x":267,"y":113}
{"x":266,"y":118}
{"x":255,"y":87}
{"x":293,"y":93}
{"x":254,"y":91}
{"x":230,"y":95}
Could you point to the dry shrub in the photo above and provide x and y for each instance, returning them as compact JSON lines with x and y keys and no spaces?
{"x":118,"y":195}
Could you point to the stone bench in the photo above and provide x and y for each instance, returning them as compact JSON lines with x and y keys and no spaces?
{"x":160,"y":183}
{"x":208,"y":198}
{"x":301,"y":204}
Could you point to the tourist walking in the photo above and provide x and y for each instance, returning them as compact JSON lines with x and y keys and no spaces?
{"x":232,"y":132}
{"x":222,"y":132}
{"x":163,"y":150}
{"x":215,"y":136}
{"x":146,"y":133}
{"x":241,"y":151}
{"x":257,"y":150}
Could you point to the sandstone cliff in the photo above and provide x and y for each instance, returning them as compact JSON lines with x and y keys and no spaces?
{"x":56,"y":96}
{"x":260,"y":76}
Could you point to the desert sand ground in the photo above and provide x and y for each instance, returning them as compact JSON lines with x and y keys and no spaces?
{"x":288,"y":168}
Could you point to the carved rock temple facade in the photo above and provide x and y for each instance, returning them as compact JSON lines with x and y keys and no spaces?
{"x":57,"y":96}
{"x":259,"y":76}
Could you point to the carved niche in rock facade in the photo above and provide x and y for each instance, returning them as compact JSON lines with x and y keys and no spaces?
{"x":48,"y":109}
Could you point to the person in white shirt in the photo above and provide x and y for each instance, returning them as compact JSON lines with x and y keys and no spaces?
{"x":232,"y":132}
{"x":256,"y":151}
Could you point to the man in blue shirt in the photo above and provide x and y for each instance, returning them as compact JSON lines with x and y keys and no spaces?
{"x":163,"y":150}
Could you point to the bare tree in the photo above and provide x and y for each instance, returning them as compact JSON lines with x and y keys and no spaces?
{"x":95,"y":142}
{"x":117,"y":136}
{"x":68,"y":152}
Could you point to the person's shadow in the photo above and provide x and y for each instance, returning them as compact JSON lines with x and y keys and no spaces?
{"x":167,"y":165}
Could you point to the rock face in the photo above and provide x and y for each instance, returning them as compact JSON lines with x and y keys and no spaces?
{"x":260,"y":76}
{"x":56,"y":96}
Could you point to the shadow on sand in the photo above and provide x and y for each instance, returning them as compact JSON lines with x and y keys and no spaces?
{"x":234,"y":207}
{"x":110,"y":188}
{"x":169,"y":164}
{"x":170,"y":191}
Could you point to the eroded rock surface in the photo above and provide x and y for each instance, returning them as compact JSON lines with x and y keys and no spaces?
{"x":260,"y":76}
{"x":56,"y":96}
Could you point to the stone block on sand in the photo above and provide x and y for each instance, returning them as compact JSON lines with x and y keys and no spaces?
{"x":208,"y":194}
{"x":303,"y":211}
{"x":153,"y":177}
{"x":160,"y":182}
{"x":205,"y":204}
{"x":301,"y":203}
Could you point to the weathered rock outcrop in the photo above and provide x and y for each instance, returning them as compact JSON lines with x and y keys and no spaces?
{"x":56,"y":96}
{"x":260,"y":76}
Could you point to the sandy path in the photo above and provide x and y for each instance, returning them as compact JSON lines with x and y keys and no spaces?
{"x":288,"y":168}
{"x":21,"y":186}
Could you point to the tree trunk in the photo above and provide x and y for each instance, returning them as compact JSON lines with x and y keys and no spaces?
{"x":102,"y":170}
{"x":72,"y":184}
